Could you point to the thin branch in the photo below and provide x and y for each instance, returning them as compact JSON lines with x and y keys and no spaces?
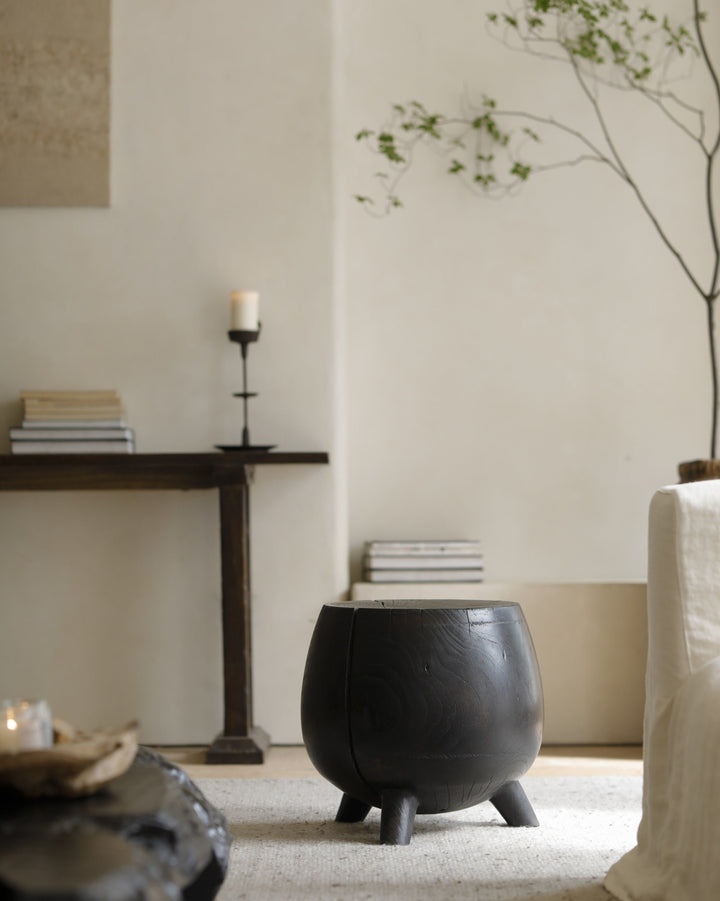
{"x":503,"y":189}
{"x":400,"y":170}
{"x":561,"y":126}
{"x":389,"y":186}
{"x":569,"y":164}
{"x":625,"y":175}
{"x":659,"y":98}
{"x":712,"y":153}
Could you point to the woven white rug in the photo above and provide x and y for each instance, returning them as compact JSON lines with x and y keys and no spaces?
{"x":287,"y":846}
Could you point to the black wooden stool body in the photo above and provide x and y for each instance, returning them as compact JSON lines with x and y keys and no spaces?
{"x":422,"y":706}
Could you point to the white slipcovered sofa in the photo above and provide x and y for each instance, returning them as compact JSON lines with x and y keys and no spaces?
{"x":677,"y":856}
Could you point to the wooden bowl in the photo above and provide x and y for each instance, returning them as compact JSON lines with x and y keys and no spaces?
{"x":78,"y":763}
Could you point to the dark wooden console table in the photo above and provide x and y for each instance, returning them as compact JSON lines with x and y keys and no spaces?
{"x":241,"y":741}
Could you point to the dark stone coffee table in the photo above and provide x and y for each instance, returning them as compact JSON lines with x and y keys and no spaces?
{"x":423,"y":707}
{"x":149,"y":834}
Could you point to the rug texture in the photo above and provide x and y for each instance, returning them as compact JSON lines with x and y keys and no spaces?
{"x":287,"y":846}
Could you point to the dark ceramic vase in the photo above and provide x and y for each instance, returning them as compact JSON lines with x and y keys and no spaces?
{"x":422,"y":707}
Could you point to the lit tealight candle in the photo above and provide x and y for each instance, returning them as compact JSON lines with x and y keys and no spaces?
{"x":25,"y":725}
{"x":244,"y":311}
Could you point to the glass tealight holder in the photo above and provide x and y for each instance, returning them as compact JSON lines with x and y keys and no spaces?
{"x":25,"y":725}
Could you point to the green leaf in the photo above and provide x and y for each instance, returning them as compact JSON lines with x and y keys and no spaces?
{"x":364,"y":133}
{"x":521,"y":171}
{"x":361,"y":198}
{"x":386,"y":146}
{"x":484,"y":180}
{"x":428,"y":124}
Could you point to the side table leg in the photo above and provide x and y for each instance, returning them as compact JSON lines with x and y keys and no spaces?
{"x":241,"y":741}
{"x":512,"y":804}
{"x":397,"y":816}
{"x":351,"y":810}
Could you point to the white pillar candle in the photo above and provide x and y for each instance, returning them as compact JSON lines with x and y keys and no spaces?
{"x":25,"y":725}
{"x":244,"y":311}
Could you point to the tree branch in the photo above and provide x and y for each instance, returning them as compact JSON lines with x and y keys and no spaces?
{"x":659,"y":98}
{"x":630,"y":181}
{"x":606,"y":46}
{"x":712,"y":153}
{"x":561,"y":126}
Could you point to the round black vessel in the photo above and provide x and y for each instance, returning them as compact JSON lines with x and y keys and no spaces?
{"x":422,"y":706}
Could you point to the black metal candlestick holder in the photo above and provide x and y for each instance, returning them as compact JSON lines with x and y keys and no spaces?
{"x":243,"y":338}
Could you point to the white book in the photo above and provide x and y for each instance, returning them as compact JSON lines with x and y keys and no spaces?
{"x":429,"y":561}
{"x":392,"y":548}
{"x":72,"y":447}
{"x":72,"y":434}
{"x":423,"y":575}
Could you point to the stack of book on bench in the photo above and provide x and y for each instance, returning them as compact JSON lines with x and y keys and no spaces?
{"x":72,"y":422}
{"x":422,"y":561}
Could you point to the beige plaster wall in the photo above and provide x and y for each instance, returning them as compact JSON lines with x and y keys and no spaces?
{"x":523,"y":371}
{"x":221,"y":179}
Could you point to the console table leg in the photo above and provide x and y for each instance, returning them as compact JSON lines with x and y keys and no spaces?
{"x":241,"y":741}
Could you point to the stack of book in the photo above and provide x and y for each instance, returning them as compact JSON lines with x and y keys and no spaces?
{"x":422,"y":561}
{"x":69,"y":422}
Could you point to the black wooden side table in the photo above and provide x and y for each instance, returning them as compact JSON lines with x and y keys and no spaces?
{"x":241,"y":741}
{"x":423,"y":707}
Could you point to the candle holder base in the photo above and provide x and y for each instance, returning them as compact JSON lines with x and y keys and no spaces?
{"x":244,"y":336}
{"x":252,"y":448}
